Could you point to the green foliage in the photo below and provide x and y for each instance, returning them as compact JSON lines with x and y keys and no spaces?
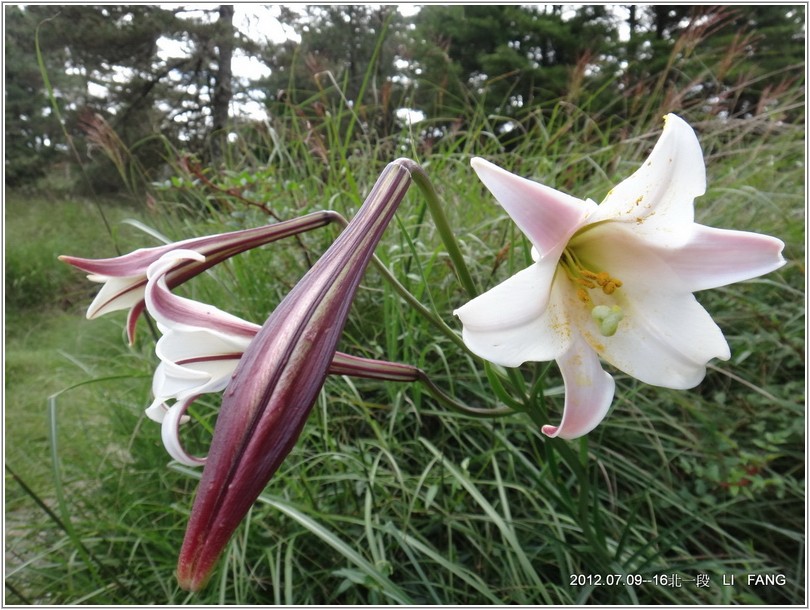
{"x":514,"y":56}
{"x":29,"y":132}
{"x":104,"y":63}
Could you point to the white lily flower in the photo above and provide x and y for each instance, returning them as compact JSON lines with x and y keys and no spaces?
{"x":201,"y":346}
{"x":614,"y":281}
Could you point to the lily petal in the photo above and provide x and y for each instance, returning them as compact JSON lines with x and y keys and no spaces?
{"x":170,"y":434}
{"x":174,"y":312}
{"x":659,"y":197}
{"x":199,"y":375}
{"x":664,"y":340}
{"x":215,"y":248}
{"x":718,"y":257}
{"x":201,"y":345}
{"x":539,"y":331}
{"x":116,"y":293}
{"x":513,"y":302}
{"x":625,"y":278}
{"x":588,"y":391}
{"x":546,"y":216}
{"x":124,"y":277}
{"x":666,"y":337}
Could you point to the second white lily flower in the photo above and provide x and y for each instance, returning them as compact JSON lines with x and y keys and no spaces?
{"x":614,"y":281}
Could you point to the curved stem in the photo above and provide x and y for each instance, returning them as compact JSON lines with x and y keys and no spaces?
{"x":421,"y":179}
{"x":406,"y":294}
{"x":447,"y":400}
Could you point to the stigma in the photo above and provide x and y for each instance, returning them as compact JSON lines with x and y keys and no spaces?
{"x":607,"y":318}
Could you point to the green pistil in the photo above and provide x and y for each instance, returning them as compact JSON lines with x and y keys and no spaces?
{"x":607,"y":318}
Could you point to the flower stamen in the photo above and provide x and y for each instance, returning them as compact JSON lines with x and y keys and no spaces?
{"x":583,"y":276}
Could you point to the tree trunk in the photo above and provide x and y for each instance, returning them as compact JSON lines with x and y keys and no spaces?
{"x":223,"y":90}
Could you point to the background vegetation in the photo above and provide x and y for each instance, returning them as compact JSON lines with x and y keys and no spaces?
{"x":387,"y":497}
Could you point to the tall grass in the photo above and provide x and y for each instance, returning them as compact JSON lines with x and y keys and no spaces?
{"x":390,"y":498}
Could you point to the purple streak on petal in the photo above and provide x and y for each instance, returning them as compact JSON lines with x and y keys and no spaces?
{"x":215,"y":248}
{"x":132,"y":320}
{"x":116,"y":294}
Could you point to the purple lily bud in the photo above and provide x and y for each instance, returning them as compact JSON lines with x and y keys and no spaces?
{"x":277,"y":381}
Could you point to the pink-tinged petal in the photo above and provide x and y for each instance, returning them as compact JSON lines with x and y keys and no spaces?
{"x":718,"y":257}
{"x":539,"y":335}
{"x":658,"y":199}
{"x":216,"y":248}
{"x":124,"y":276}
{"x":174,"y":312}
{"x":199,"y":351}
{"x":546,"y":216}
{"x":201,"y":345}
{"x":588,"y":391}
{"x":170,"y":434}
{"x":134,"y":263}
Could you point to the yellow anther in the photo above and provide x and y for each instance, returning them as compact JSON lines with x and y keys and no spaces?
{"x":586,"y":278}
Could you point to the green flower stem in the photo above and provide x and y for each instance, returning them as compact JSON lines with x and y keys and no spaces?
{"x":421,"y":179}
{"x":455,"y":405}
{"x":407,"y":296}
